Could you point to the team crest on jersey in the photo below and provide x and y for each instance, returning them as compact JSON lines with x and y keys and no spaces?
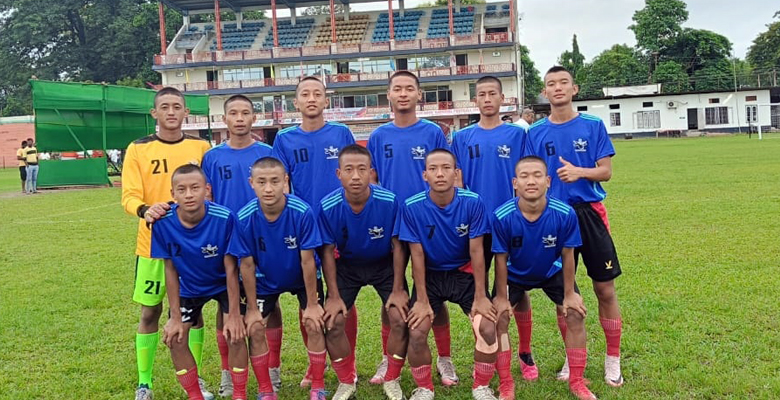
{"x":376,"y":232}
{"x":504,"y":150}
{"x":580,"y":145}
{"x":549,"y":241}
{"x":209,"y":251}
{"x":418,"y":153}
{"x":462,"y":230}
{"x":291,"y":242}
{"x":331,"y":152}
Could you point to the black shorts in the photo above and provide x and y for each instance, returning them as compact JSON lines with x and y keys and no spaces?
{"x":23,"y":173}
{"x":455,"y":286}
{"x":191,"y":307}
{"x":487,"y":249}
{"x":266,"y":303}
{"x":552,"y":287}
{"x":352,"y":278}
{"x":597,"y":250}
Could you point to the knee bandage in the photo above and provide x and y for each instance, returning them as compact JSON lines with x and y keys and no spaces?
{"x":482,"y":345}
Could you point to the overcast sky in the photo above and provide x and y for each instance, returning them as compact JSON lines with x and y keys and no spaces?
{"x":548,"y":25}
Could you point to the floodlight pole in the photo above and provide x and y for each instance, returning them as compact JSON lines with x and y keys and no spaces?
{"x":218,"y":18}
{"x":390,"y":19}
{"x":452,"y":24}
{"x":736,"y":94}
{"x":332,"y":21}
{"x":273,"y":24}
{"x":161,"y":13}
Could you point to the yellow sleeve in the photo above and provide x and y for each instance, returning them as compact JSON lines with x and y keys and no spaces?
{"x":132,"y":182}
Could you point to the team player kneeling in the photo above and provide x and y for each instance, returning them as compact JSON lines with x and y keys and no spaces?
{"x":361,"y":234}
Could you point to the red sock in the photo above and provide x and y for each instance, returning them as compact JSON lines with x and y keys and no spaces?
{"x":304,"y":334}
{"x":613,"y":328}
{"x":189,"y":381}
{"x":483,"y":373}
{"x":578,"y":358}
{"x":394,"y":367}
{"x":562,"y":326}
{"x":260,"y":366}
{"x":422,"y":376}
{"x":317,"y":368}
{"x":504,"y":366}
{"x":351,"y":328}
{"x":223,"y":349}
{"x":274,"y":338}
{"x":345,"y":369}
{"x":239,"y":383}
{"x":385,"y":335}
{"x":441,"y":335}
{"x":524,"y":322}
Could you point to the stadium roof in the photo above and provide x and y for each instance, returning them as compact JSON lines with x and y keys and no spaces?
{"x":200,"y":6}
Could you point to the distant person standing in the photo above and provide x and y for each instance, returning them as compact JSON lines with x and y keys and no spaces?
{"x":526,"y":118}
{"x":31,"y":158}
{"x":21,"y":155}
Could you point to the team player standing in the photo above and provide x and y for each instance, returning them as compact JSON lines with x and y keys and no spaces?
{"x":362,"y":234}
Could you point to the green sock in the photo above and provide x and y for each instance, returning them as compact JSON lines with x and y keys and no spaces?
{"x":196,"y":345}
{"x":145,"y":347}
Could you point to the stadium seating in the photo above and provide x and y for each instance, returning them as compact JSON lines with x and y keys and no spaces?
{"x":290,"y":35}
{"x":463,"y":22}
{"x":404,"y":28}
{"x":237,"y":39}
{"x":352,"y":31}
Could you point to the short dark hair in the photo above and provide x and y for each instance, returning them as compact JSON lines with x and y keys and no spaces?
{"x":29,"y":140}
{"x":188,"y":169}
{"x":24,"y":143}
{"x":488,"y":79}
{"x":355,"y":149}
{"x":527,"y":159}
{"x":440,"y":151}
{"x":558,"y":68}
{"x":403,"y":73}
{"x":238,"y":97}
{"x":308,"y":78}
{"x":267,"y":162}
{"x":169,"y":90}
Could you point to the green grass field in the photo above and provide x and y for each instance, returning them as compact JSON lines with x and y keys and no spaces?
{"x":695,"y":223}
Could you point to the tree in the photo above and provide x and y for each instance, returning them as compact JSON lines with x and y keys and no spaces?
{"x":697,"y":49}
{"x":532,"y":81}
{"x":658,"y":24}
{"x":324,"y":10}
{"x":572,"y":60}
{"x":672,"y":77}
{"x":621,"y":65}
{"x":764,"y":53}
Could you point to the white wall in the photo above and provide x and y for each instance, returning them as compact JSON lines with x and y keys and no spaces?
{"x":676,"y":117}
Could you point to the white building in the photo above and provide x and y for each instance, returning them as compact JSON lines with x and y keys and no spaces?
{"x":647,"y":115}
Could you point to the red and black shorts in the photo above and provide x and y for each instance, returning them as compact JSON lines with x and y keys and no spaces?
{"x":597,"y":250}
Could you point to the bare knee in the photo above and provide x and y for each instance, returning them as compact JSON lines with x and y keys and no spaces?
{"x":312,"y":329}
{"x":605,"y":291}
{"x":150,"y":316}
{"x":397,"y":323}
{"x":339,"y":321}
{"x":503,"y":323}
{"x":256,"y":331}
{"x":418,"y":337}
{"x":575,"y":322}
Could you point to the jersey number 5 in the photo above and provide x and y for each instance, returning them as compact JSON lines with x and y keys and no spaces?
{"x":388,"y":150}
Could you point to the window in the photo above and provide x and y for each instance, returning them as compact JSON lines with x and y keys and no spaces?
{"x":429,"y":62}
{"x":614,"y":106}
{"x":295,"y":71}
{"x":714,"y":101}
{"x":242,"y":74}
{"x":751,"y":112}
{"x":716,"y":115}
{"x":648,"y":119}
{"x":582,"y":108}
{"x":751,"y":98}
{"x":647,"y":104}
{"x":473,"y":91}
{"x":614,"y":119}
{"x":372,"y":100}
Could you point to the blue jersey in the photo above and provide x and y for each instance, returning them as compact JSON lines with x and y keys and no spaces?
{"x":398,"y":155}
{"x":444,"y":232}
{"x":364,"y":238}
{"x":197,"y":252}
{"x":227,"y":170}
{"x":534,"y":247}
{"x":311,"y":158}
{"x":276,"y":246}
{"x":487,"y":159}
{"x":581,"y":141}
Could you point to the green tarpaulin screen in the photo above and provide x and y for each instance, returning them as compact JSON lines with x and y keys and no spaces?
{"x":72,"y":116}
{"x":85,"y":171}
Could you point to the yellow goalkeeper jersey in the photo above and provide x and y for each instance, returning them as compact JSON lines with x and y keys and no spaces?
{"x":146,"y":176}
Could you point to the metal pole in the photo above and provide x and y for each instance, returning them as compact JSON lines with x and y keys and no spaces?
{"x":736,"y":94}
{"x":163,"y":41}
{"x":273,"y":22}
{"x":219,"y":25}
{"x":452,"y":25}
{"x":390,"y":17}
{"x":332,"y":22}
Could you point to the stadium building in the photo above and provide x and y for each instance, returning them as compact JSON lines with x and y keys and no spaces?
{"x":354,"y":53}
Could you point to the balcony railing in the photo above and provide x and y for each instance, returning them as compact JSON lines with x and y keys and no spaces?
{"x":340,"y":48}
{"x":352,"y":77}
